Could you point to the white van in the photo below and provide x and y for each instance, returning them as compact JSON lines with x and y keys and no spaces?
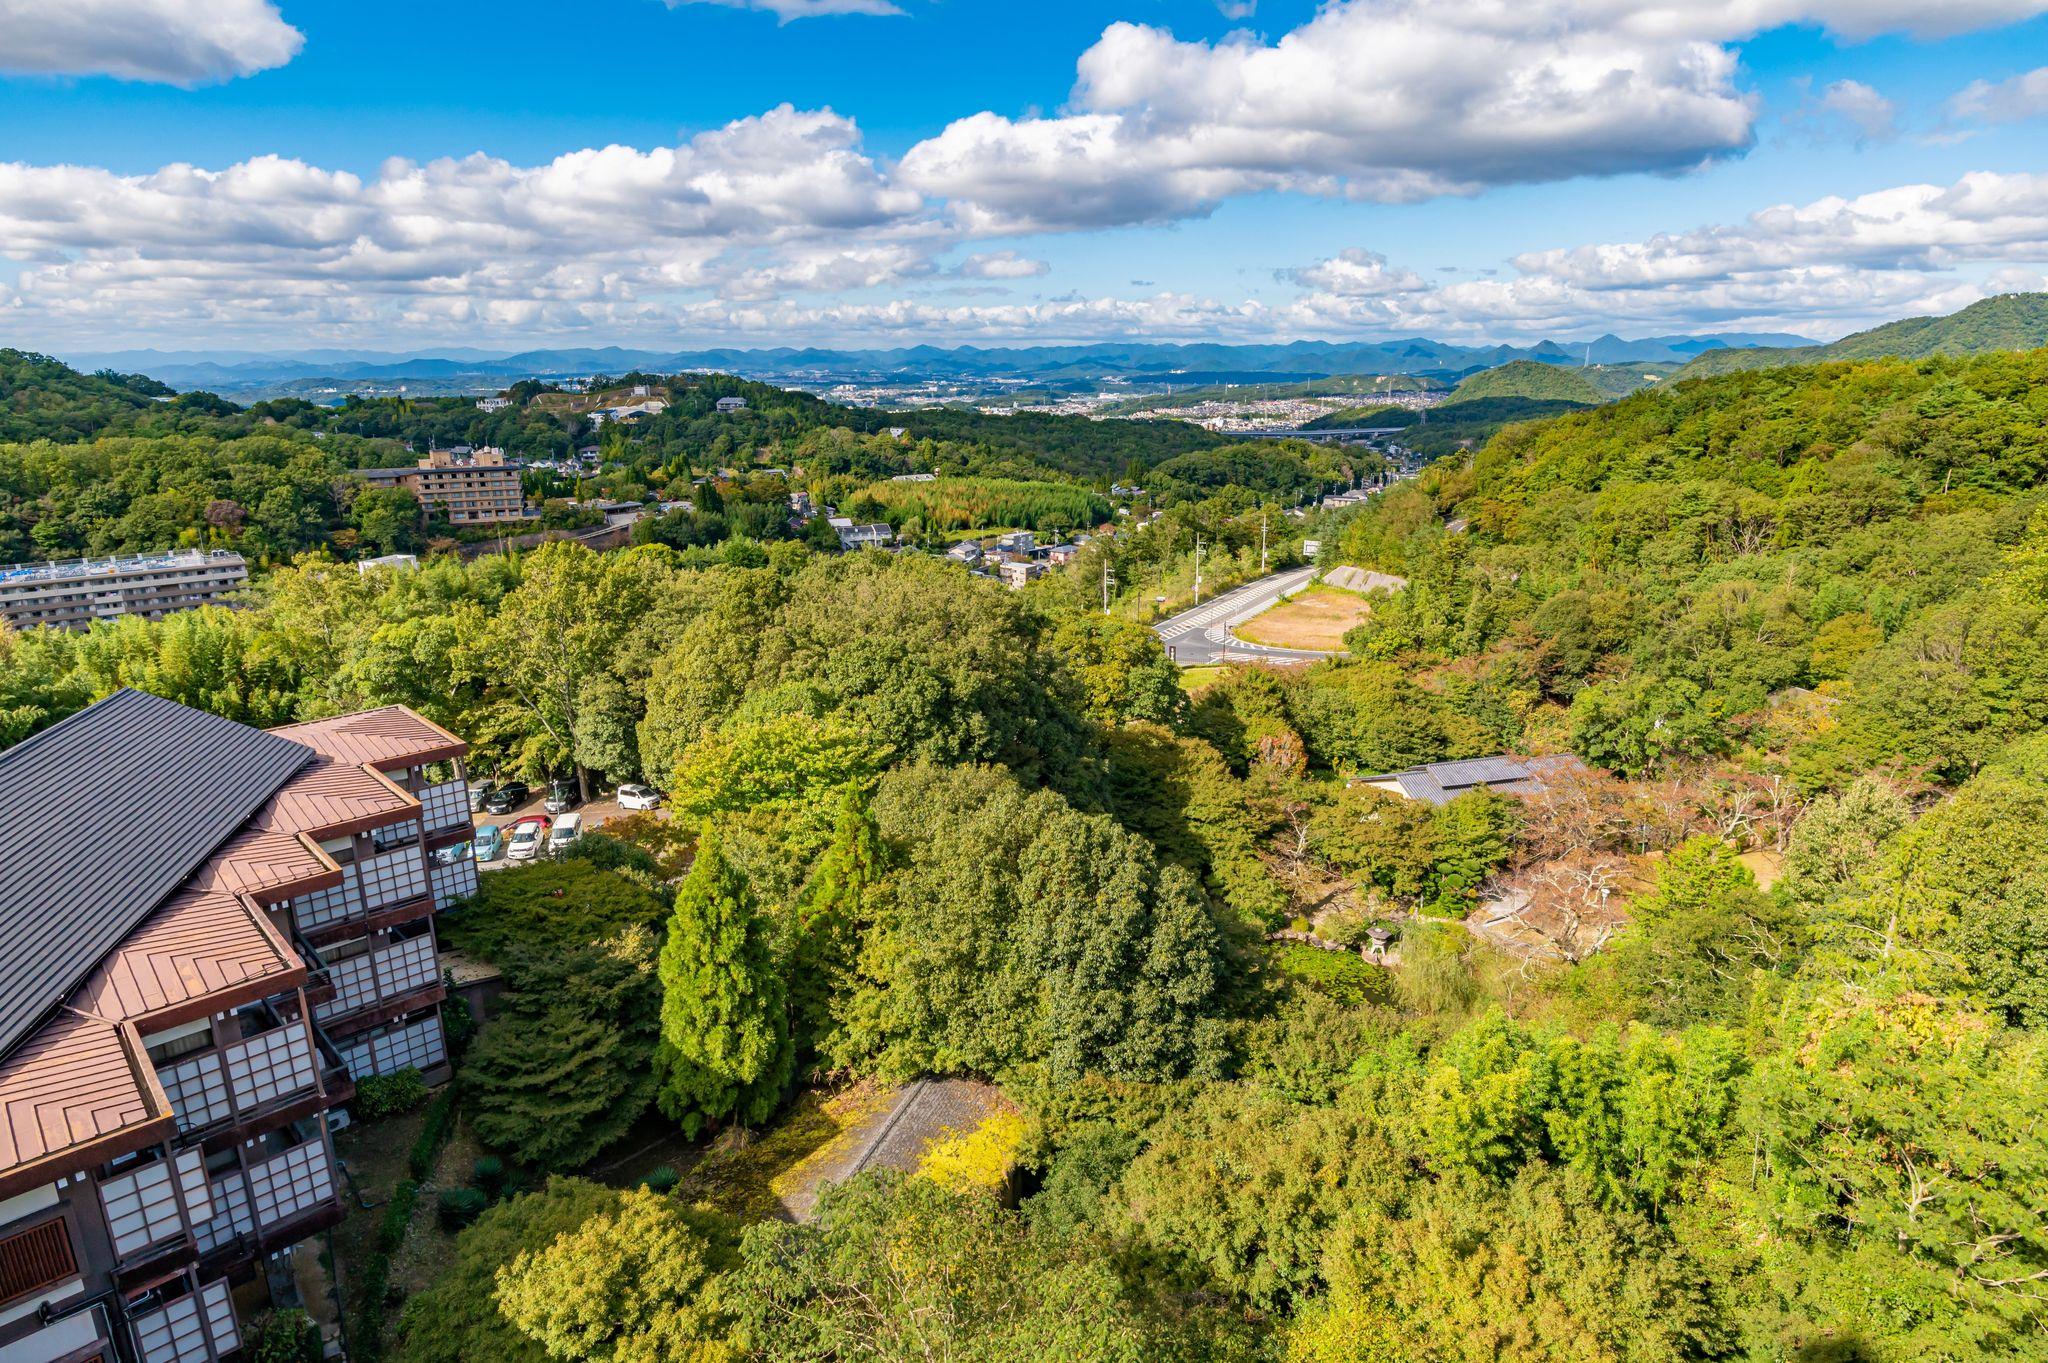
{"x":568,"y":827}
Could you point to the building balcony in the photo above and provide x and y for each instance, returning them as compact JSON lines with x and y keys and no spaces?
{"x":257,"y":1081}
{"x":381,"y":976}
{"x":369,"y":889}
{"x":197,"y":1327}
{"x":275,"y":1202}
{"x":445,"y":806}
{"x":75,"y":1337}
{"x":152,"y":1211}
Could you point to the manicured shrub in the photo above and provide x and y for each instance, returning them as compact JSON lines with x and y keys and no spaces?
{"x":387,"y":1095}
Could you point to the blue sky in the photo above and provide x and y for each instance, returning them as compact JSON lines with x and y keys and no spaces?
{"x":966,"y":170}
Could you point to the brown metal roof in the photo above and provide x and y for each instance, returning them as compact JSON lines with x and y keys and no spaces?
{"x":394,"y":736}
{"x":79,"y":1082}
{"x":269,"y":864}
{"x":335,"y":795}
{"x":200,"y":943}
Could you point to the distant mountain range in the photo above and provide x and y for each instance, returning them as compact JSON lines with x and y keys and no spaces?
{"x":231,"y":370}
{"x":2010,"y":321}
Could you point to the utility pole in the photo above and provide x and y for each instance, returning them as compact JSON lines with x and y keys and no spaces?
{"x":1198,"y":570}
{"x":1108,"y":581}
{"x":1262,"y":541}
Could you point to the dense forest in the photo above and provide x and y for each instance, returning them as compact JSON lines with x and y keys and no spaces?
{"x":1764,"y":1082}
{"x":2012,"y":321}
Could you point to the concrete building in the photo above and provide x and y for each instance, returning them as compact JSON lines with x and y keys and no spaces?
{"x":212,"y":933}
{"x":732,"y":404}
{"x":468,"y":488}
{"x":75,"y":592}
{"x":1016,"y":573}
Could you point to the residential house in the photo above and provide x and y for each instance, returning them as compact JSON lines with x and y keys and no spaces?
{"x":875,"y":535}
{"x":1016,"y":573}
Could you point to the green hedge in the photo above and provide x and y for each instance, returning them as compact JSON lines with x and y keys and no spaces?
{"x":434,"y":1133}
{"x":366,"y":1335}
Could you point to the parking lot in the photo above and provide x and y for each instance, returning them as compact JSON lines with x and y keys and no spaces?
{"x":595,"y":815}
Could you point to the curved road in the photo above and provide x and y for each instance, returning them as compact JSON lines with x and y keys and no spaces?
{"x":1201,"y":635}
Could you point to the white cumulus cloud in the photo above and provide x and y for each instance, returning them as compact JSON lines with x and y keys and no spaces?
{"x":1871,"y":116}
{"x":1390,"y":101}
{"x":1823,"y":267}
{"x":1001,"y":265}
{"x":179,"y":42}
{"x":2006,"y":101}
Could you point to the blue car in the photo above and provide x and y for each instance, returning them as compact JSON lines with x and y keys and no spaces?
{"x":490,"y":842}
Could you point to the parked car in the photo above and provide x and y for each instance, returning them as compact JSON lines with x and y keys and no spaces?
{"x":563,"y":835}
{"x":639,"y":797}
{"x":489,"y":842}
{"x":563,"y":796}
{"x":525,"y":840}
{"x":479,"y":792}
{"x":507,"y":797}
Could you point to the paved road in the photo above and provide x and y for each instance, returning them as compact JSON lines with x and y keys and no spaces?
{"x":1202,"y":635}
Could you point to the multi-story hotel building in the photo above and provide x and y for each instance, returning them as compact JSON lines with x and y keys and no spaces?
{"x":469,"y":488}
{"x":73,"y":593}
{"x":211,"y":932}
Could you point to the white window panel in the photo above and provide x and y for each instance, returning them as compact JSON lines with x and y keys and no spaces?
{"x":330,"y":905}
{"x":195,"y":1328}
{"x":142,"y":1208}
{"x":231,"y":1214}
{"x":198,"y":1090}
{"x":296,"y":1181}
{"x":218,"y":1304}
{"x":408,"y":966}
{"x":192,"y":1183}
{"x":445,"y":805}
{"x":413,"y":1045}
{"x":355,"y":986}
{"x":454,"y":881}
{"x":393,"y":878}
{"x":267,"y":1067}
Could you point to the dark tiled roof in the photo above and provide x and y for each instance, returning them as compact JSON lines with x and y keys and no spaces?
{"x":1441,"y":782}
{"x":109,"y":812}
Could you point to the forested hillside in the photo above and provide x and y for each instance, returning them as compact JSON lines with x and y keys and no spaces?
{"x":1757,"y":1076}
{"x":1529,"y":379}
{"x":2012,"y":321}
{"x":44,"y":398}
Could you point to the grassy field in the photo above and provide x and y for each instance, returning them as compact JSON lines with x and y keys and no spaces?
{"x":1316,"y":618}
{"x":1196,"y":679}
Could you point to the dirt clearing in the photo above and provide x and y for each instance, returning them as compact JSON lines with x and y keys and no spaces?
{"x":1315,"y":618}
